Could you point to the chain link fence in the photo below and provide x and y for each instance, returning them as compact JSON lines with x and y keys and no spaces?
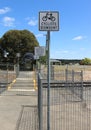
{"x":70,"y":101}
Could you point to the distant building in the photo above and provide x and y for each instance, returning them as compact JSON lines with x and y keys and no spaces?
{"x":64,"y":61}
{"x":55,"y":62}
{"x":69,"y":61}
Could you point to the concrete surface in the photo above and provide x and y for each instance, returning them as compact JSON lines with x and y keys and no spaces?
{"x":20,"y":93}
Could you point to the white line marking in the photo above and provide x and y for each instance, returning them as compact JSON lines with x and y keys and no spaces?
{"x":22,"y":90}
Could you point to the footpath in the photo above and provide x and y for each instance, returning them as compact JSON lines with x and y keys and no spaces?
{"x":18,"y":104}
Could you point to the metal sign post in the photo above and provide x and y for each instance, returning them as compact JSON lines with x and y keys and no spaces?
{"x":48,"y":79}
{"x":48,"y":21}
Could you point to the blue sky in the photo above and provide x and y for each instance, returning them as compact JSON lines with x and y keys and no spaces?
{"x":72,"y":41}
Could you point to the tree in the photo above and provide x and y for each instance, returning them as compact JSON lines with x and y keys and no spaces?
{"x":85,"y":61}
{"x":18,"y":41}
{"x":43,"y":59}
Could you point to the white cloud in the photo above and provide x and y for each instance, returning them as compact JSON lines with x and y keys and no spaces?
{"x":40,"y":35}
{"x":82,"y":49}
{"x":78,"y":38}
{"x":8,"y":21}
{"x":32,"y":22}
{"x":4,"y":10}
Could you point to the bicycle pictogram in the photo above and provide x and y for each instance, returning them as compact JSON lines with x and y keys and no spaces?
{"x":48,"y":16}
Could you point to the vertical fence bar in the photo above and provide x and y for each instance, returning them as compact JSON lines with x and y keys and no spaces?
{"x":40,"y":103}
{"x":66,"y":75}
{"x":7,"y":72}
{"x":73,"y":81}
{"x":17,"y":69}
{"x":81,"y":85}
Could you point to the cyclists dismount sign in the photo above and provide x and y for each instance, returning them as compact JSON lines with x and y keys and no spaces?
{"x":49,"y":21}
{"x":48,"y":16}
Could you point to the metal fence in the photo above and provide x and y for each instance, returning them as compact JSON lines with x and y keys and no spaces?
{"x":58,"y":71}
{"x":70,"y":101}
{"x":8,"y":72}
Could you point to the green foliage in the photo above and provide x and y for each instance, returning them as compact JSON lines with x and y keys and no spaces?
{"x":18,"y":41}
{"x":43,"y":59}
{"x":85,"y":61}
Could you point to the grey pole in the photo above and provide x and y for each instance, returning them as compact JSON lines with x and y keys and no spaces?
{"x":48,"y":80}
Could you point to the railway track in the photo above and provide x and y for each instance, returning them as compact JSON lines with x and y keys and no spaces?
{"x":67,"y":84}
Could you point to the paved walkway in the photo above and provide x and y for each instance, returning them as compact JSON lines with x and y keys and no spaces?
{"x":18,"y":104}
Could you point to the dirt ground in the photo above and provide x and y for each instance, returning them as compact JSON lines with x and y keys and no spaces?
{"x":87,"y":76}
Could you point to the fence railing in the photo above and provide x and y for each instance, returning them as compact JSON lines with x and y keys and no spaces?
{"x":8,"y":72}
{"x":58,"y":71}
